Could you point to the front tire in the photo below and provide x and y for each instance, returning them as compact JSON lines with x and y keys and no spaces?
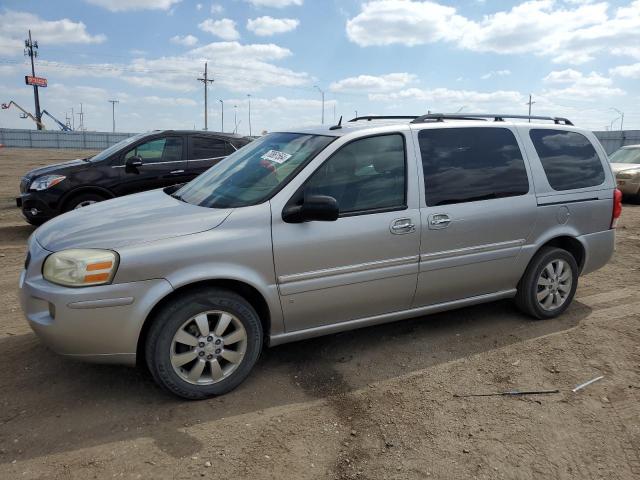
{"x":203,"y":343}
{"x":82,"y":200}
{"x":549,"y":284}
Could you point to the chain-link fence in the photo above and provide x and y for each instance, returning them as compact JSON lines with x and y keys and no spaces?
{"x":10,"y":137}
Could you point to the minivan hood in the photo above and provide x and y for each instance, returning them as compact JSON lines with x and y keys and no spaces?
{"x":54,"y":168}
{"x":128,"y":220}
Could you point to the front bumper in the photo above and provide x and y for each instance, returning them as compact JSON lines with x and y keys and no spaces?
{"x":100,"y":324}
{"x":628,"y":186}
{"x":35,"y":207}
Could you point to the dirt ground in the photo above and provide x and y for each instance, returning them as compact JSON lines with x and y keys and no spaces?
{"x":370,"y":404}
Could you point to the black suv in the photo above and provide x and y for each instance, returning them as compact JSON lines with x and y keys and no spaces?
{"x":142,"y":162}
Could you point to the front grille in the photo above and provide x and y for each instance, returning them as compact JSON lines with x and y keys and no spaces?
{"x":27,"y":260}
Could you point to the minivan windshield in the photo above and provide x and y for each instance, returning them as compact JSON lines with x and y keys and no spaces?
{"x":255,"y":172}
{"x":626,"y":155}
{"x":114,"y":148}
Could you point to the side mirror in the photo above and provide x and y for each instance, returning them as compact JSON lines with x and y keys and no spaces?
{"x":320,"y":208}
{"x":133,"y":163}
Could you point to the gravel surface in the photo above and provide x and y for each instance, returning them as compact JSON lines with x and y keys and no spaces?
{"x":370,"y":404}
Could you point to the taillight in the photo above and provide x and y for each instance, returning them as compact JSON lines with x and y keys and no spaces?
{"x":617,"y":207}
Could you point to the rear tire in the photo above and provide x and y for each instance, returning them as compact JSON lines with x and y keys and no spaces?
{"x":549,"y":284}
{"x":82,"y":200}
{"x":203,"y":343}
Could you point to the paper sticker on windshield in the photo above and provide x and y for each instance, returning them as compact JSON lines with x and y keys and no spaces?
{"x":276,"y":156}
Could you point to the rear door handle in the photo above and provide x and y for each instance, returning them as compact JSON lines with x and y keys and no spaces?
{"x":176,"y":172}
{"x":439,"y":220}
{"x":402,"y":225}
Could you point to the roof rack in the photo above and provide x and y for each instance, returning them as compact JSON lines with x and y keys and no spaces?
{"x":499,"y":117}
{"x":385,"y":117}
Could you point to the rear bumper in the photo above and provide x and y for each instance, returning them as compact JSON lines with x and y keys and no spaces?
{"x":599,"y":248}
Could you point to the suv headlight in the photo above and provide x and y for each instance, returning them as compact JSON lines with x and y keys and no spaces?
{"x":80,"y":267}
{"x":46,"y":181}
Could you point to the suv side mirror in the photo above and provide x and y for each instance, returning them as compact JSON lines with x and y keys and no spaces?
{"x":133,"y":163}
{"x":321,"y":208}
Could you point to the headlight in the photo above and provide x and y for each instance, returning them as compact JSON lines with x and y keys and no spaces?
{"x":80,"y":267}
{"x":46,"y":181}
{"x":627,"y":175}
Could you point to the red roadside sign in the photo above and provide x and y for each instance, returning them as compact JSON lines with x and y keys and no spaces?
{"x":37,"y":81}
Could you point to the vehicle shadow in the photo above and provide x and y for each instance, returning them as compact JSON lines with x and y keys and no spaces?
{"x":52,"y":405}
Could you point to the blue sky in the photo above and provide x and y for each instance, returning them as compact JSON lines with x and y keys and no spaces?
{"x":578,"y":58}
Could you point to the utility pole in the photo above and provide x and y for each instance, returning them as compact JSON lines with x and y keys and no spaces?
{"x":31,"y":50}
{"x":249,"y":97}
{"x":222,"y":122}
{"x":73,"y":119}
{"x":322,"y":93}
{"x":530,"y":103}
{"x":356,"y":113}
{"x":113,"y":113}
{"x":206,"y":80}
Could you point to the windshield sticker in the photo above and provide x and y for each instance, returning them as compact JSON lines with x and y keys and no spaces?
{"x":276,"y":156}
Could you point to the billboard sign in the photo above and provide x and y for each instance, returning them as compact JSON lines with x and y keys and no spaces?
{"x":37,"y":81}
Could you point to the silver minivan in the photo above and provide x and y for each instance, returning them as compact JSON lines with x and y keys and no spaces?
{"x":314,"y":231}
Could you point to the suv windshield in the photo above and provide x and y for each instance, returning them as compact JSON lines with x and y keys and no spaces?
{"x":626,"y":155}
{"x":114,"y":148}
{"x":255,"y":172}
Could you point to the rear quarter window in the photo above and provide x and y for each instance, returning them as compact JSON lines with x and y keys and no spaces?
{"x":569,"y":159}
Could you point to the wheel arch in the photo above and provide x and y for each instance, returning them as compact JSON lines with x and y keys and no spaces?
{"x":245,"y":290}
{"x":85,"y":189}
{"x":566,"y":242}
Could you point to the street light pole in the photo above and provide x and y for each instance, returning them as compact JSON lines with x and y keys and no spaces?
{"x":235,"y":118}
{"x":621,"y":116}
{"x":222,"y":122}
{"x":113,"y":113}
{"x":322,"y":93}
{"x":249,"y":97}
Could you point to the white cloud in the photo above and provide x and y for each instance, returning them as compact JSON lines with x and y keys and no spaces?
{"x":123,"y":5}
{"x":496,"y":73}
{"x":371,"y":83}
{"x":446,"y":99}
{"x":626,"y":71}
{"x":275,"y":3}
{"x":216,"y":8}
{"x":169,"y":101}
{"x":225,"y":28}
{"x":52,"y":32}
{"x":187,"y":40}
{"x":569,"y":33}
{"x":267,"y":26}
{"x":572,"y":84}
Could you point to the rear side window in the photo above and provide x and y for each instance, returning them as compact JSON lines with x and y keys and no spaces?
{"x":469,"y":164}
{"x":568,"y":158}
{"x":203,"y":147}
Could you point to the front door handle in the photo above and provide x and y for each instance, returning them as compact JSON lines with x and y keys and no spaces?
{"x":439,"y":220}
{"x":176,"y":172}
{"x":402,"y":225}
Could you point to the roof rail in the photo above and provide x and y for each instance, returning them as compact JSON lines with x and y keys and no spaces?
{"x":497,"y":117}
{"x":385,"y":117}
